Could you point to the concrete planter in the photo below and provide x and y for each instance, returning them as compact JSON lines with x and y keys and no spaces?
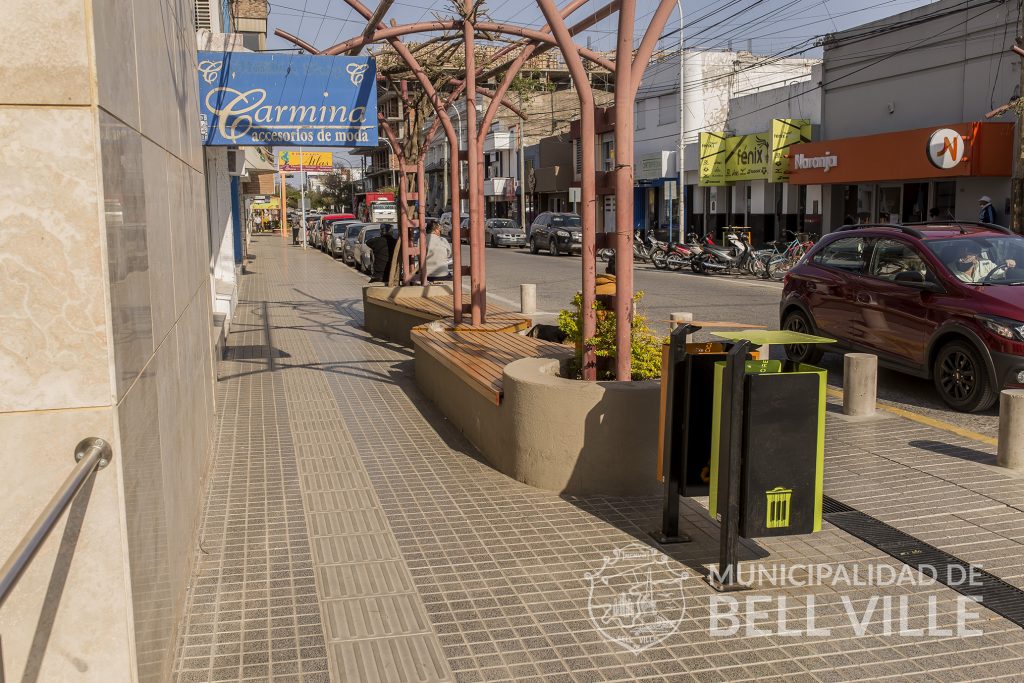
{"x":563,"y":435}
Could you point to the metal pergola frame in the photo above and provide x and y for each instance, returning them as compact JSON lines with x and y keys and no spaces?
{"x":627,"y":67}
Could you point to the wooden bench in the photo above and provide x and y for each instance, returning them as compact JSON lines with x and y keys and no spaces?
{"x":479,"y":357}
{"x":391,"y":313}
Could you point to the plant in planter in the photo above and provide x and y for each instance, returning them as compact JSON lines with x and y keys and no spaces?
{"x":645,"y":346}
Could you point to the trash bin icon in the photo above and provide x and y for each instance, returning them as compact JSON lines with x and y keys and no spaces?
{"x":777,"y":513}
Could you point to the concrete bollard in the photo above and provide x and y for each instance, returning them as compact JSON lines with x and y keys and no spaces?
{"x":860,"y":384}
{"x":1011,"y":429}
{"x":528,"y":299}
{"x":677,"y":319}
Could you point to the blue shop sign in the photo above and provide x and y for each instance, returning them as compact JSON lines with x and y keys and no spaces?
{"x":259,"y":98}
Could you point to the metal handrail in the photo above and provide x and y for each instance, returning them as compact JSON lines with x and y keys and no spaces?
{"x":91,"y":454}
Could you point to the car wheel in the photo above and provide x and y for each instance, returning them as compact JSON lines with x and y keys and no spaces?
{"x":961,"y":378}
{"x":796,"y":321}
{"x":552,"y":246}
{"x":534,"y":249}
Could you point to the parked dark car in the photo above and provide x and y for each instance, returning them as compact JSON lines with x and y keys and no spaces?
{"x":503,"y":232}
{"x":943,"y":301}
{"x":557,"y":233}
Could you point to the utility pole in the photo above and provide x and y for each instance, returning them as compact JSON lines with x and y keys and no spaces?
{"x":522,"y":179}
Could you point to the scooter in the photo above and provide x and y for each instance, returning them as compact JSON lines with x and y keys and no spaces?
{"x":719,"y":259}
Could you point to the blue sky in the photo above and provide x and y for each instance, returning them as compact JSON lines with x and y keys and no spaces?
{"x":768,"y":27}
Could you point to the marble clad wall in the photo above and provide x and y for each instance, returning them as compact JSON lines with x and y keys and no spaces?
{"x":104,"y":271}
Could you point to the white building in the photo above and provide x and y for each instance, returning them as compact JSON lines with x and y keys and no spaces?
{"x":713,"y":81}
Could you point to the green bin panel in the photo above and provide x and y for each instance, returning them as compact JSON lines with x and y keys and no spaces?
{"x":783,"y":449}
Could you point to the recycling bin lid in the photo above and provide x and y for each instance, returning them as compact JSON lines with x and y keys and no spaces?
{"x":761,"y":337}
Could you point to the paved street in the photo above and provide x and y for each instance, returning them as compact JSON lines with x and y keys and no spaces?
{"x":351,"y":534}
{"x":709,"y":298}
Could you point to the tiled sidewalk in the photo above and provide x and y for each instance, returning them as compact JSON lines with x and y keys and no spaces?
{"x":350,"y":532}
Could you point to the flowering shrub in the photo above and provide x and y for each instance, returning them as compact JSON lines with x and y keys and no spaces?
{"x":645,"y":345}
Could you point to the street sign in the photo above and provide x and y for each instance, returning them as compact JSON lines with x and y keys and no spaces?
{"x":310,"y":162}
{"x":254,"y":98}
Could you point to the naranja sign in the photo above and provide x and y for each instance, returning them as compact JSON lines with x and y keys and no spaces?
{"x":964,"y":149}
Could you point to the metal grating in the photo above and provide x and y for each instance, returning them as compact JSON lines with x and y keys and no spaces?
{"x":992,"y":592}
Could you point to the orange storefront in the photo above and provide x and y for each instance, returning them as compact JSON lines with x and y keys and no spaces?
{"x":905,"y":176}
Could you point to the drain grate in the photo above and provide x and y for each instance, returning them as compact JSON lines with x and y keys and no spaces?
{"x":1002,"y":598}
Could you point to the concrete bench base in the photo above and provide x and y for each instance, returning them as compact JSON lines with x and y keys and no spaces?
{"x":391,"y":312}
{"x":568,"y":436}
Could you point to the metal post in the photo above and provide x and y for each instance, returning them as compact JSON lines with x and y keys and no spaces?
{"x":730,"y":464}
{"x":421,"y":216}
{"x":680,"y":187}
{"x":588,"y":183}
{"x":624,"y":98}
{"x":674,"y":455}
{"x":302,"y":195}
{"x":476,"y":285}
{"x":522,"y":181}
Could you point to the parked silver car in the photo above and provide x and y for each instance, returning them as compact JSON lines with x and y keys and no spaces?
{"x":335,"y":244}
{"x":362,"y":254}
{"x":503,"y":232}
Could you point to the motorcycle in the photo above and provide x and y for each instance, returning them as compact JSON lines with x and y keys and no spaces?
{"x":720,"y":259}
{"x":673,"y":256}
{"x":642,"y":248}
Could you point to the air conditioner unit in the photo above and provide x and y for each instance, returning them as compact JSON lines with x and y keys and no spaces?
{"x":236,"y":161}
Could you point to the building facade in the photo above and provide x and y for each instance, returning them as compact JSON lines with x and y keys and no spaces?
{"x":107,"y":330}
{"x":903,"y":117}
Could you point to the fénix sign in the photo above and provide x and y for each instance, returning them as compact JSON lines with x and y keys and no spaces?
{"x":253,"y":98}
{"x":981,"y":149}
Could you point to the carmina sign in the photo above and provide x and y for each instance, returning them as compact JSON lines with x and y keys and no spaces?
{"x":251,"y":98}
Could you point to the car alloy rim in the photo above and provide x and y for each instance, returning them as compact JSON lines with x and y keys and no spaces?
{"x":957,"y":375}
{"x":796,"y":324}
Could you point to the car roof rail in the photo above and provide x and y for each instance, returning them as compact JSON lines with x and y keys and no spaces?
{"x":973,"y":224}
{"x":892,"y":226}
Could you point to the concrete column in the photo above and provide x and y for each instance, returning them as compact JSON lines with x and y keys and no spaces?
{"x":528,"y":299}
{"x":1011,"y":429}
{"x":677,"y":319}
{"x":860,"y":381}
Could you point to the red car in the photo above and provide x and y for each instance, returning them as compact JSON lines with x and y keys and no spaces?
{"x":943,"y":301}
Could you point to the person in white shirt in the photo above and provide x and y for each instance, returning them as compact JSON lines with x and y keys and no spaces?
{"x":972,"y":266}
{"x":439,"y":253}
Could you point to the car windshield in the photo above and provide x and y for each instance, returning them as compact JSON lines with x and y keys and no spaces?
{"x":565,"y":221}
{"x":370,"y":234}
{"x":353,"y":230}
{"x":503,"y":223}
{"x":982,"y":259}
{"x":339,"y":228}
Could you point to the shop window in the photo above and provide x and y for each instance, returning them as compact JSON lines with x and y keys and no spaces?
{"x":640,"y":114}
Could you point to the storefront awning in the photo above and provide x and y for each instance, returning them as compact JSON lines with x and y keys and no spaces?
{"x":959,"y":150}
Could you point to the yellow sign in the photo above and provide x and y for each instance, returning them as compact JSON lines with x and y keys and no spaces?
{"x":274,"y":203}
{"x":785,"y":134}
{"x":778,"y":505}
{"x":712,"y":159}
{"x":314,"y":162}
{"x":747,"y":157}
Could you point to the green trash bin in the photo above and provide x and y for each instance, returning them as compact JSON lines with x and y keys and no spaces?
{"x":783,"y":448}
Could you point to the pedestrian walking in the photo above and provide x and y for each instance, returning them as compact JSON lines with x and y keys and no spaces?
{"x":383,"y":249}
{"x":986,"y":212}
{"x":439,"y":253}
